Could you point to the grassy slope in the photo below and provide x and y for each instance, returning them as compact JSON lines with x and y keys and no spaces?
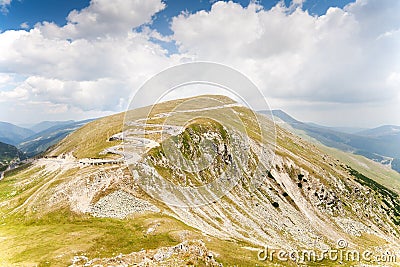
{"x":7,"y":154}
{"x":35,"y":239}
{"x":52,"y":239}
{"x":381,"y":174}
{"x":376,"y":171}
{"x":30,"y":239}
{"x":57,"y":237}
{"x":90,"y":139}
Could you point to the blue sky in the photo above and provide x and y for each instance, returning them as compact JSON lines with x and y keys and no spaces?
{"x":332,"y":62}
{"x":34,"y":11}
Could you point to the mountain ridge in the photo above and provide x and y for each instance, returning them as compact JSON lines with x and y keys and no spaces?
{"x":39,"y":142}
{"x":13,"y":134}
{"x":309,"y":196}
{"x":9,"y":154}
{"x":382,"y":148}
{"x":381,"y":131}
{"x":44,"y":125}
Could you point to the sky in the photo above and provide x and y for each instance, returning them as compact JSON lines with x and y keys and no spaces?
{"x":331,"y":62}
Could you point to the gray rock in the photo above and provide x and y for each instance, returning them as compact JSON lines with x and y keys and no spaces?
{"x":120,"y":204}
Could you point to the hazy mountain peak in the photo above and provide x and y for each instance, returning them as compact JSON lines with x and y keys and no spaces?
{"x":44,"y":125}
{"x":13,"y":134}
{"x":381,"y":131}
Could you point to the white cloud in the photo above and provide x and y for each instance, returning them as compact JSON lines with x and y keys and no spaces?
{"x":17,"y":94}
{"x":88,"y":75}
{"x":4,"y":6}
{"x":104,"y":18}
{"x":31,"y":53}
{"x":24,"y":25}
{"x":102,"y":94}
{"x":5,"y":79}
{"x":92,"y":64}
{"x":31,"y":112}
{"x":336,"y":57}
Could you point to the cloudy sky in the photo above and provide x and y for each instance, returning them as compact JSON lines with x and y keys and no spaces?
{"x":331,"y":62}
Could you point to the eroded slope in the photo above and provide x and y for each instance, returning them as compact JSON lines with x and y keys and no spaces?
{"x":303,"y":197}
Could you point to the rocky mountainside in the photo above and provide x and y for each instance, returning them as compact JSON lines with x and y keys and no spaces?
{"x":44,"y":125}
{"x":199,"y":181}
{"x":8,"y":155}
{"x":380,"y":144}
{"x":12,"y":134}
{"x":382,"y":131}
{"x":40,"y":141}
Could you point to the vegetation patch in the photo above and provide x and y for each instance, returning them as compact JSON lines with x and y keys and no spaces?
{"x":389,"y":197}
{"x":39,"y":239}
{"x":189,"y":145}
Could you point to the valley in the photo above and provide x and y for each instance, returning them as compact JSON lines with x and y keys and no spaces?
{"x":381,"y":144}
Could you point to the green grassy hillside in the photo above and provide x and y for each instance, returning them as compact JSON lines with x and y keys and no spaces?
{"x":308,"y":198}
{"x":9,"y":153}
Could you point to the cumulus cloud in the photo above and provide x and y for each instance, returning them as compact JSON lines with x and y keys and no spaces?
{"x":345,"y":55}
{"x":345,"y":58}
{"x":104,"y":18}
{"x":31,"y":53}
{"x":94,"y":62}
{"x":99,"y":94}
{"x":16,"y":94}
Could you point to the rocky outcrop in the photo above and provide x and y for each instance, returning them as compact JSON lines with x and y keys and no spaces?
{"x":187,"y":253}
{"x":120,"y":204}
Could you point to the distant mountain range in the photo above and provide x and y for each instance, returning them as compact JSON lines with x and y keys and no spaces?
{"x":386,"y":130}
{"x":39,"y":137}
{"x":9,"y":153}
{"x":39,"y":142}
{"x":12,"y":134}
{"x":350,"y":130}
{"x":44,"y":125}
{"x":380,"y":144}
